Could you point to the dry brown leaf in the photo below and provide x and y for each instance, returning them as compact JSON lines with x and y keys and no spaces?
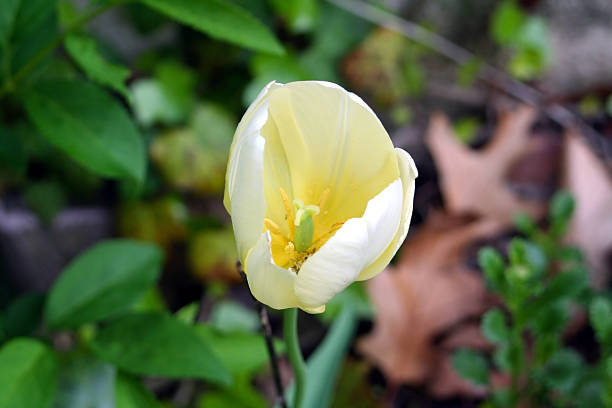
{"x":591,"y":228}
{"x":429,"y":291}
{"x":474,"y":181}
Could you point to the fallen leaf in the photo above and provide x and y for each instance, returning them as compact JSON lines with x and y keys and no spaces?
{"x":591,"y":226}
{"x":475,"y":181}
{"x":429,"y":291}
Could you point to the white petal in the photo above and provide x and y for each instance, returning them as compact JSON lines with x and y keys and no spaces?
{"x":248,"y":204}
{"x":408,"y":174}
{"x":269,"y":283}
{"x":334,"y":266}
{"x":383,"y":214}
{"x":250,"y":125}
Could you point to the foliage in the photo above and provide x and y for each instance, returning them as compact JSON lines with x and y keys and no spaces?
{"x":541,"y":285}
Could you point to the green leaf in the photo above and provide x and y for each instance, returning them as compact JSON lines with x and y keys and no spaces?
{"x":563,"y":369}
{"x":241,"y":353}
{"x":102,"y":282}
{"x":323,"y":366}
{"x":84,"y":51}
{"x":494,"y":326}
{"x":26,"y":27}
{"x":228,"y":316}
{"x":493,"y":266}
{"x":156,"y":344}
{"x":27,"y":374}
{"x":471,"y":366}
{"x":89,"y":126}
{"x":23,"y":316}
{"x":241,"y":394}
{"x":131,"y":393}
{"x":600,"y":313}
{"x":524,"y":223}
{"x":562,"y":206}
{"x":84,"y":382}
{"x":466,"y":129}
{"x":507,"y":22}
{"x":565,"y":285}
{"x":299,"y":15}
{"x":222,"y":20}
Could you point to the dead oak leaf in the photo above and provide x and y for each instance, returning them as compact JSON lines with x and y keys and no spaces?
{"x":591,"y":226}
{"x":429,"y":291}
{"x":474,"y":181}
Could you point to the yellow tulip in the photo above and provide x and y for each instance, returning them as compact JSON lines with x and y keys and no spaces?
{"x":318,"y":196}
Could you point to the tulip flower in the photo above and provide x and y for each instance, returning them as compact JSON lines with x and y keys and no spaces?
{"x":318,"y":195}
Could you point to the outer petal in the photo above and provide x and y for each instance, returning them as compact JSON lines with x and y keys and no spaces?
{"x":383,"y":214}
{"x":334,"y":266}
{"x":269,"y":283}
{"x":408,"y":174}
{"x":244,"y":198}
{"x":248,"y":204}
{"x":251,"y":123}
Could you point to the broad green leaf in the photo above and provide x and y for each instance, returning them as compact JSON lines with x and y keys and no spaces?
{"x":102,"y":282}
{"x":507,"y":21}
{"x":240,"y":353}
{"x":230,"y":316}
{"x":220,"y":19}
{"x":88,"y":125}
{"x":85,"y":382}
{"x":494,"y":326}
{"x":23,"y":316}
{"x":26,"y":27}
{"x":27,"y":374}
{"x":156,"y":344}
{"x":600,"y":312}
{"x":241,"y":394}
{"x":84,"y":51}
{"x":131,"y":393}
{"x":324,"y":365}
{"x":471,"y":366}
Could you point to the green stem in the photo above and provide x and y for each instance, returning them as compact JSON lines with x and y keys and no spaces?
{"x":10,"y":83}
{"x":290,"y":318}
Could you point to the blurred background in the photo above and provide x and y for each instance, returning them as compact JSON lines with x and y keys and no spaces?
{"x":505,"y":106}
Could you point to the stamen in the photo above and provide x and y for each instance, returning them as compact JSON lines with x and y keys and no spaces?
{"x":325,"y":237}
{"x":288,"y":211}
{"x":272,"y":226}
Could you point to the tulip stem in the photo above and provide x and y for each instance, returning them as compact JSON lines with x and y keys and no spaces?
{"x":290,"y":319}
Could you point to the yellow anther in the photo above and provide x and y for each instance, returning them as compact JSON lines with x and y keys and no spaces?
{"x":272,"y":226}
{"x":288,"y":211}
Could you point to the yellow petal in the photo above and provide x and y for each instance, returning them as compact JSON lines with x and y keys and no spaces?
{"x":320,"y":136}
{"x":269,"y":283}
{"x":408,"y":174}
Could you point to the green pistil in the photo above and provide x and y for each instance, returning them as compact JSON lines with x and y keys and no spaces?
{"x":304,"y":225}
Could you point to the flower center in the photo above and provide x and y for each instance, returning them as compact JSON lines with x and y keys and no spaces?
{"x":292,"y":250}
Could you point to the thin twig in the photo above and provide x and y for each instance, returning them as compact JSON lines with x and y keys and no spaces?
{"x":487,"y":73}
{"x":267,"y":331}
